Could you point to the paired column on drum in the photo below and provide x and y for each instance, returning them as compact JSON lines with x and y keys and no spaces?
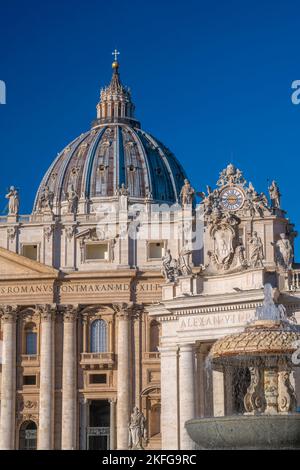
{"x":8,"y":383}
{"x":186,"y":392}
{"x":123,"y":375}
{"x":69,"y":388}
{"x":46,"y":409}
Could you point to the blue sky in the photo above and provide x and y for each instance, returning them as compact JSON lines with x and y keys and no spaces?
{"x":212,"y":80}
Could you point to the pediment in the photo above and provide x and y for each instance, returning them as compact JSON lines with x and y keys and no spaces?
{"x":13,"y":265}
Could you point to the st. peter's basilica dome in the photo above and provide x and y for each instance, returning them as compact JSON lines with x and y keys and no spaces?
{"x":115,"y":153}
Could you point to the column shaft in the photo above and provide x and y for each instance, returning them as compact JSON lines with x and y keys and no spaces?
{"x":45,"y":436}
{"x":123,"y":393}
{"x":69,"y":391}
{"x":8,"y":383}
{"x":169,"y":398}
{"x":112,"y":424}
{"x":186,"y":392}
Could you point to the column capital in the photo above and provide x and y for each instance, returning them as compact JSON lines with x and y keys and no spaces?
{"x":8,"y":313}
{"x":46,"y":311}
{"x":125,"y":311}
{"x":112,"y":401}
{"x":168,"y":350}
{"x":187,"y":347}
{"x":69,"y":312}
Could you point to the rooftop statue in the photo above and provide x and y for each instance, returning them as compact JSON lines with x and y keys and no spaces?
{"x":187,"y":194}
{"x":274,"y":195}
{"x":72,"y":198}
{"x":284,"y":252}
{"x":13,"y":201}
{"x":46,"y":200}
{"x":231,"y":175}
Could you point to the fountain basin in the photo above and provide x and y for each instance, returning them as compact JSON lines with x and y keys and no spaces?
{"x":281,"y":431}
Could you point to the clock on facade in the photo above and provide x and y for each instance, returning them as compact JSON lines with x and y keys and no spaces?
{"x":232,"y":199}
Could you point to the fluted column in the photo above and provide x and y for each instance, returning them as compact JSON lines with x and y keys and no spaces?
{"x":169,"y":397}
{"x":8,"y":382}
{"x":46,"y":411}
{"x":186,"y":392}
{"x":69,"y":390}
{"x":124,"y":372}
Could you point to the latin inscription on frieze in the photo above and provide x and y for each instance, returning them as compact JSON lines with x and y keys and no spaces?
{"x":76,"y":288}
{"x":218,"y":320}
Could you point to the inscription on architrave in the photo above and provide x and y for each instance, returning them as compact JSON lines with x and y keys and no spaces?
{"x":217,"y":320}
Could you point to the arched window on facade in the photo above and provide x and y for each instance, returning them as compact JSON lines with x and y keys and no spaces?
{"x":154,"y":336}
{"x":98,"y":336}
{"x":30,"y":339}
{"x":28,"y":436}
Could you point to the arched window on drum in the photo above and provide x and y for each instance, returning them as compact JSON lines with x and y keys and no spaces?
{"x":98,"y":336}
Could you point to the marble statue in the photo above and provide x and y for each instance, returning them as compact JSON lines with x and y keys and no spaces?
{"x":268,"y":310}
{"x":14,"y":201}
{"x":283,"y":252}
{"x":46,"y":199}
{"x":72,"y":198}
{"x":137,"y":429}
{"x":167,"y":270}
{"x":230,"y":175}
{"x":170,"y":267}
{"x":187,"y":194}
{"x":274,"y":195}
{"x":185,"y":260}
{"x":256,"y":251}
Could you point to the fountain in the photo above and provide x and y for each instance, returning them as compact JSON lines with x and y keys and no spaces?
{"x":266,"y":347}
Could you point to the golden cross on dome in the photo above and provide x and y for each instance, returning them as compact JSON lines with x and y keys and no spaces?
{"x":116,"y":53}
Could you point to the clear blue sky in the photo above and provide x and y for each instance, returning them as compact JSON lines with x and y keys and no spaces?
{"x":212,"y":80}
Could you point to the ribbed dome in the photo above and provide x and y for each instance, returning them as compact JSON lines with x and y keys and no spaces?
{"x":113,"y":153}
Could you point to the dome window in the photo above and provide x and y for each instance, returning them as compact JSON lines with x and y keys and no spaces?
{"x":131,"y":168}
{"x":102,"y":168}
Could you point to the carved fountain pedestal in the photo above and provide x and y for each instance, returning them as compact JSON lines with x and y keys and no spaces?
{"x":266,"y":347}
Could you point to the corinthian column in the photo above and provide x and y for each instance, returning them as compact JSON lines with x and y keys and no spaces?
{"x":46,"y":411}
{"x":123,"y":387}
{"x":69,"y":392}
{"x":8,"y":382}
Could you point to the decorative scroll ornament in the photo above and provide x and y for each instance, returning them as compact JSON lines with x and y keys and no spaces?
{"x":48,"y":231}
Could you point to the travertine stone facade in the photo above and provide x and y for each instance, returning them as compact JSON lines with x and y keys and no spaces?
{"x":114,"y":289}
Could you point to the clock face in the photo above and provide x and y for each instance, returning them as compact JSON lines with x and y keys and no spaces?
{"x":232,"y":199}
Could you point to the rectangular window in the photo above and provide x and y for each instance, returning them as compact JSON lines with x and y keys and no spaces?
{"x":96,"y":252}
{"x":155,"y":250}
{"x":30,"y":251}
{"x":98,"y":379}
{"x":31,"y":343}
{"x":29,"y":380}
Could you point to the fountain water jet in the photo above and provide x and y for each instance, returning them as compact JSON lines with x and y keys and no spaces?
{"x":265,"y":347}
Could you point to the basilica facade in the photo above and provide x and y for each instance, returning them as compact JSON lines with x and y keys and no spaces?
{"x":114,"y":288}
